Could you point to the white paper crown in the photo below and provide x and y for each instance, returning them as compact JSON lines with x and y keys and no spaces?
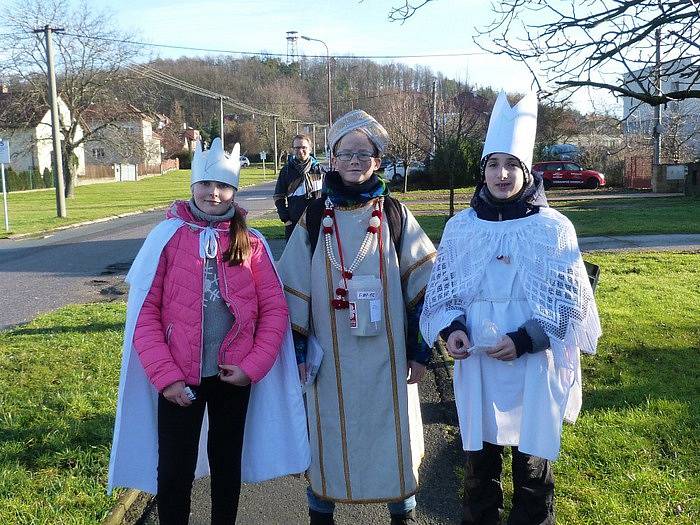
{"x":215,"y":164}
{"x":512,"y":129}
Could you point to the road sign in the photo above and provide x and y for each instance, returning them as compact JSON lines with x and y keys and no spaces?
{"x":263,"y":155}
{"x":4,"y":152}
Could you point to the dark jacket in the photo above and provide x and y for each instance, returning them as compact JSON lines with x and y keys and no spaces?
{"x":291,"y":207}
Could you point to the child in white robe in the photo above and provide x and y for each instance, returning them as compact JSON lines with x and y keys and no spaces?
{"x":510,"y":295}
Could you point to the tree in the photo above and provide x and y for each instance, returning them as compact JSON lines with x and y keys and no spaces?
{"x":578,"y":44}
{"x":406,"y":119}
{"x":407,"y":10}
{"x":462,"y":119}
{"x":89,"y":58}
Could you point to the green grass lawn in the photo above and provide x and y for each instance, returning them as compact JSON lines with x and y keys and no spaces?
{"x":630,"y":459}
{"x":600,"y":217}
{"x":34,"y":212}
{"x":270,"y":228}
{"x":58,"y":381}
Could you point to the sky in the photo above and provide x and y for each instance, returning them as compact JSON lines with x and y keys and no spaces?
{"x":356,"y":27}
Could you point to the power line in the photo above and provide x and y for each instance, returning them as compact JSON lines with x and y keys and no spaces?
{"x":174,"y":82}
{"x":164,"y":78}
{"x":353,"y":99}
{"x":269,"y":54}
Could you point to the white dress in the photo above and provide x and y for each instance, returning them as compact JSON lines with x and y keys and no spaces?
{"x":507,"y":273}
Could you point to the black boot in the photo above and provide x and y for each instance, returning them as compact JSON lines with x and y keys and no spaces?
{"x":403,"y":519}
{"x":320,"y":518}
{"x":482,"y":503}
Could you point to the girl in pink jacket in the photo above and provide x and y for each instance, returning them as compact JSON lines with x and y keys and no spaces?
{"x":212,"y":323}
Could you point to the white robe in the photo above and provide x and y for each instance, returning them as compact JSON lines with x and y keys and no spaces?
{"x":542,"y":277}
{"x":275,"y":439}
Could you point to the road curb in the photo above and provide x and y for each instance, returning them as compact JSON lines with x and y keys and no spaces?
{"x":126,"y":502}
{"x":47,"y":233}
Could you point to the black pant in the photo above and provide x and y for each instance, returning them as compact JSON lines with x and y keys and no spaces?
{"x":533,"y":488}
{"x":178,"y":439}
{"x":288,"y":229}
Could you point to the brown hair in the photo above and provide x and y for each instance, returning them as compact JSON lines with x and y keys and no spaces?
{"x":239,"y":249}
{"x":302,"y":136}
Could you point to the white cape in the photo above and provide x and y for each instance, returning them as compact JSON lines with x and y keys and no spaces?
{"x":275,"y":441}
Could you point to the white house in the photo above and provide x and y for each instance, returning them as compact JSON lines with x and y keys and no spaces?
{"x":28,"y":130}
{"x":127,"y":139}
{"x":680,"y":121}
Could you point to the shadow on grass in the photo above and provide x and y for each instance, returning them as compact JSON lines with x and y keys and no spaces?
{"x":47,"y":444}
{"x":63,"y":329}
{"x":633,"y":377}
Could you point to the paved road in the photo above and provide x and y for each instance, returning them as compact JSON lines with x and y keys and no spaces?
{"x":76,"y":264}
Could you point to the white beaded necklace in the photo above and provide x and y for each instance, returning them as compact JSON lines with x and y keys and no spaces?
{"x":329,"y":226}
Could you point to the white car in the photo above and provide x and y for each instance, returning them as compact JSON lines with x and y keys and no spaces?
{"x":398,"y":170}
{"x":244,"y":161}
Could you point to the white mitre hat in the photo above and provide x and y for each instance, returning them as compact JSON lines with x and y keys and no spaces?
{"x":215,"y":164}
{"x":512,"y":129}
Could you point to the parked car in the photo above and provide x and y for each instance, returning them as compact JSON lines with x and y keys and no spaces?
{"x":567,"y":173}
{"x":396,"y":170}
{"x":385,"y":162}
{"x":244,"y":161}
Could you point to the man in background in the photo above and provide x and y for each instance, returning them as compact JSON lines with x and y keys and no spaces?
{"x":299,"y":182}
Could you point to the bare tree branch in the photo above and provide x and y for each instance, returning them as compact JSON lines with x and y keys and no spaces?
{"x":573,"y":44}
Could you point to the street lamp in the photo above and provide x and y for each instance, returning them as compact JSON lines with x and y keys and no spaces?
{"x":328,"y":64}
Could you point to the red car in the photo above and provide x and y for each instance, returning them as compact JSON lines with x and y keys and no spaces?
{"x":567,"y":173}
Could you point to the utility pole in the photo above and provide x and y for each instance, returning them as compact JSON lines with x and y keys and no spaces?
{"x":433,"y":146}
{"x":328,"y":75}
{"x":221,"y":122}
{"x":274,"y":127}
{"x":656,"y":132}
{"x":313,"y":134}
{"x":57,"y":157}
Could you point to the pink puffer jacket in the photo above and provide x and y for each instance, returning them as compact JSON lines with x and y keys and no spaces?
{"x":168,"y":336}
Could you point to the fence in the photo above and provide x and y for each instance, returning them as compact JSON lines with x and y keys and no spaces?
{"x":169,"y":165}
{"x":638,"y":172}
{"x":99,"y":171}
{"x":148,"y":169}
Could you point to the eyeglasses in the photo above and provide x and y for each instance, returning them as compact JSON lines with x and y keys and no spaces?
{"x":362,"y":156}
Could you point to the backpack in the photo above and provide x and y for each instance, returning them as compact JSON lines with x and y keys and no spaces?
{"x":393,"y":212}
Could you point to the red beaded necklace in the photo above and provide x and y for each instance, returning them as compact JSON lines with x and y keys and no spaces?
{"x":330,"y":225}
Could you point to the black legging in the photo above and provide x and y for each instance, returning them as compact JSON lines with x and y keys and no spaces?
{"x":533,"y":488}
{"x":178,"y":439}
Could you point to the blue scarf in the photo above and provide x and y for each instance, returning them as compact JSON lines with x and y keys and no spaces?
{"x":342,"y":195}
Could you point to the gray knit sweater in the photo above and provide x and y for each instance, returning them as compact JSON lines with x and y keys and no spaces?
{"x":218,"y":319}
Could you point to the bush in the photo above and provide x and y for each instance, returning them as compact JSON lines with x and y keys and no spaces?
{"x":600,"y":159}
{"x":185,"y":159}
{"x":459,"y":157}
{"x":47,"y":177}
{"x":27,"y":180}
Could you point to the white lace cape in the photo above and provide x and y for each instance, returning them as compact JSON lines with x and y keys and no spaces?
{"x":556,"y":285}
